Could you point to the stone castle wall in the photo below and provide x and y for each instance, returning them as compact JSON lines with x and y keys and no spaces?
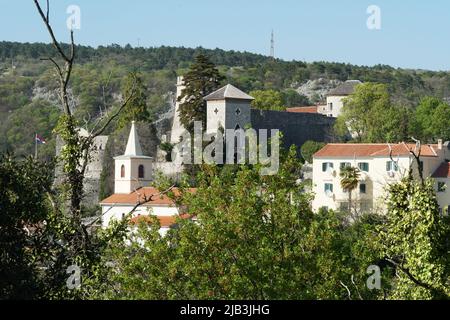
{"x":297,"y":128}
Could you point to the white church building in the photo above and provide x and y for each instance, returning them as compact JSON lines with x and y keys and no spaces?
{"x":132,"y":191}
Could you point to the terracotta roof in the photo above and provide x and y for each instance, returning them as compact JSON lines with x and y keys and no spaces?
{"x":228,"y":92}
{"x":373,"y":150}
{"x":165,"y":221}
{"x":141,"y":195}
{"x":443,"y":171}
{"x":345,"y":89}
{"x":312,"y":109}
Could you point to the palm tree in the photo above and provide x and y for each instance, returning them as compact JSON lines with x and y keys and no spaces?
{"x":349,"y":182}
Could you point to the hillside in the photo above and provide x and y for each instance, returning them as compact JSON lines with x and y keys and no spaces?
{"x":29,"y":103}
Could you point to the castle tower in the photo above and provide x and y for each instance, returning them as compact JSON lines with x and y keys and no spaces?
{"x":133,"y":170}
{"x":177,"y":127}
{"x":228,"y":108}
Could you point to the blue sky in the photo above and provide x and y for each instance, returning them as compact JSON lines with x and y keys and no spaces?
{"x":414,"y":34}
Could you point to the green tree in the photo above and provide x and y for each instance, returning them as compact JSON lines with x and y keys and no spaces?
{"x":291,"y":98}
{"x":24,"y":207}
{"x":255,"y":237}
{"x":136,"y":109}
{"x":267,"y":100}
{"x":415,"y":240}
{"x":370,"y":116}
{"x":349,"y":182}
{"x":431,"y":120}
{"x":202,"y":79}
{"x":309,"y":148}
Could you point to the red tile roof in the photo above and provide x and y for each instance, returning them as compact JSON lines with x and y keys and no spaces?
{"x":373,"y":150}
{"x":165,"y":221}
{"x":143,"y":194}
{"x":312,"y":109}
{"x":443,"y":171}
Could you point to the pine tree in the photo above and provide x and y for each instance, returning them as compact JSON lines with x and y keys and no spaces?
{"x":202,"y":79}
{"x":136,"y":110}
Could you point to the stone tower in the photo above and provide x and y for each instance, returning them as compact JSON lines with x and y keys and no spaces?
{"x":177,"y":127}
{"x":228,"y":108}
{"x":133,"y":170}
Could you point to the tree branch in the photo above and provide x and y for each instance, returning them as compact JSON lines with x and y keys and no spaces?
{"x":50,"y":30}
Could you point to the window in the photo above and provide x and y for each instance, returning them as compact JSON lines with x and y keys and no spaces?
{"x":141,"y":172}
{"x":122,"y":171}
{"x":363,"y":188}
{"x":441,"y":187}
{"x":343,"y":206}
{"x":238,"y":111}
{"x":330,"y":106}
{"x":327,"y":166}
{"x":363,"y":166}
{"x":391,"y":166}
{"x":344,"y":165}
{"x":238,"y":127}
{"x":328,"y":188}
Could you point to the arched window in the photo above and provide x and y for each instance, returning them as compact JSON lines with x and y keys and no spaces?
{"x":238,"y":127}
{"x":122,"y":171}
{"x":141,"y":172}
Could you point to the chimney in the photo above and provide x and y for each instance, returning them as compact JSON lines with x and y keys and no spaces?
{"x":440,"y":144}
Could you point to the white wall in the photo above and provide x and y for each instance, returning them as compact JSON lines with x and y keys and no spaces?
{"x":338,"y":104}
{"x":177,"y":128}
{"x":215,"y":120}
{"x":117,"y":212}
{"x":443,"y":197}
{"x":131,"y":182}
{"x":377,"y":179}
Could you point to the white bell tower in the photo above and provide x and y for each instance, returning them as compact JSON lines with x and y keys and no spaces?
{"x":133,"y":170}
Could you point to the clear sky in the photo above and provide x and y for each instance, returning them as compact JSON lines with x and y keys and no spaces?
{"x":413,"y":34}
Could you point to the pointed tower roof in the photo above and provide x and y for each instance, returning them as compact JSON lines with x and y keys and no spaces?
{"x":133,"y":145}
{"x":228,"y":92}
{"x":133,"y":149}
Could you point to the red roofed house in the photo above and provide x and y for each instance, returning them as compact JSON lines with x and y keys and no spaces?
{"x":377,"y":170}
{"x":133,"y":173}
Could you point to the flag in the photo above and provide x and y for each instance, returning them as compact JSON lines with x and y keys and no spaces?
{"x":40,"y":140}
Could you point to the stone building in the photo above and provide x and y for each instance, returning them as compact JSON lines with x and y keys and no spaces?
{"x":94,"y":168}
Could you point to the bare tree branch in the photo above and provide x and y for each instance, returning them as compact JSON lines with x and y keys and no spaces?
{"x":50,"y":30}
{"x":348,"y":290}
{"x":117,"y":113}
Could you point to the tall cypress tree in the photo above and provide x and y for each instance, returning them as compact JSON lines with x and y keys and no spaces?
{"x":202,"y":79}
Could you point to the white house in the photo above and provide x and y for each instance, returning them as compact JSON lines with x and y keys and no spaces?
{"x":335,"y":98}
{"x":133,"y":176}
{"x":377,"y":171}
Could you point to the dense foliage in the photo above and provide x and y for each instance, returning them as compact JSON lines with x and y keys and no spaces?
{"x":256,"y":238}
